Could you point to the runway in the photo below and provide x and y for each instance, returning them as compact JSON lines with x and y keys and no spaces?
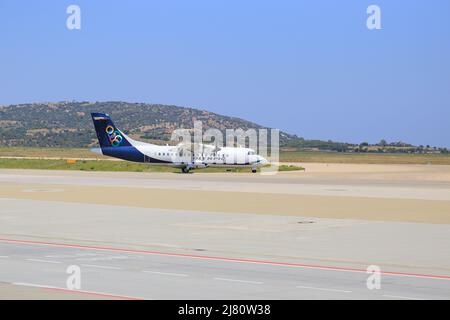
{"x":159,"y":276}
{"x":161,"y":236}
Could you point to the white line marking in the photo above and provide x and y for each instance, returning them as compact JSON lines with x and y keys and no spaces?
{"x":24,"y":284}
{"x":44,"y":261}
{"x":100,"y":267}
{"x":167,"y":273}
{"x":223,"y":259}
{"x":4,"y":257}
{"x":324,"y":289}
{"x":236,"y":280}
{"x":401,"y":297}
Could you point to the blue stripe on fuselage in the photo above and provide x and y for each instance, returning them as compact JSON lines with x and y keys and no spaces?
{"x":129,"y":153}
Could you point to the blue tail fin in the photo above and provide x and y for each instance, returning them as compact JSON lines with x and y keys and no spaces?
{"x":107,"y":133}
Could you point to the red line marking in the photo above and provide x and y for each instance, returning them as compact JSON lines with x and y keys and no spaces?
{"x":184,"y":255}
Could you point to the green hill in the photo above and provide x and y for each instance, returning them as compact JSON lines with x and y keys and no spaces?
{"x":69,"y":125}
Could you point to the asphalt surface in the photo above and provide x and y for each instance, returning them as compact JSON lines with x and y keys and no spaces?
{"x":131,"y":251}
{"x":154,"y":276}
{"x":343,"y":184}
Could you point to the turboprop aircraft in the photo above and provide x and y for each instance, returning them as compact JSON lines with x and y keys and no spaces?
{"x":114,"y":143}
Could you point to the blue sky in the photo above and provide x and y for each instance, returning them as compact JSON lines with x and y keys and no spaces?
{"x":307,"y":67}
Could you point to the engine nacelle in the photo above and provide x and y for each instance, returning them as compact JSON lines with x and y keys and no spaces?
{"x":199,"y":165}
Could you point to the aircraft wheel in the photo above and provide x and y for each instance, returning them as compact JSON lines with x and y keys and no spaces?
{"x":185,"y":170}
{"x":254,"y":170}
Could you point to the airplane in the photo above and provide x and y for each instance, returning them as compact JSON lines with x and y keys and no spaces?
{"x":115,"y":143}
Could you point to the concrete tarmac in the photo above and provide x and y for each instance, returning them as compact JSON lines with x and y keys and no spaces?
{"x":199,"y":236}
{"x":153,"y":276}
{"x":289,"y":194}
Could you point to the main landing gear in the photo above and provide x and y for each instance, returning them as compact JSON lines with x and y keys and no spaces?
{"x":185,"y":169}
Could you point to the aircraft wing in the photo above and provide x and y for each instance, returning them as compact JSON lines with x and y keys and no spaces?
{"x":203,"y":148}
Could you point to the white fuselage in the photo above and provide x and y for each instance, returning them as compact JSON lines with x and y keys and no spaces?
{"x":201,"y":157}
{"x":229,"y":157}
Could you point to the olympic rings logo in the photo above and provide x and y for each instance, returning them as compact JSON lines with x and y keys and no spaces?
{"x":114,"y":136}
